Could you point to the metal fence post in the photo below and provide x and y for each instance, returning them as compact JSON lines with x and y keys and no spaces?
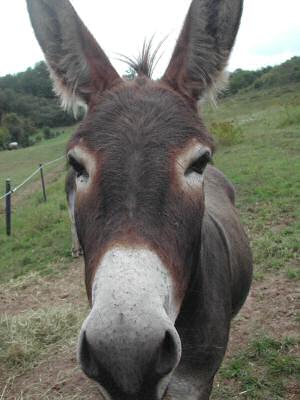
{"x":43,"y":182}
{"x":8,"y":207}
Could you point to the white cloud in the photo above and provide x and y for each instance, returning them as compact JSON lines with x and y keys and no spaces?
{"x":269,"y":34}
{"x":270,"y":30}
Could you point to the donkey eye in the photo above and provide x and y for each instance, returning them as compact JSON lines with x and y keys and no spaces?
{"x":200,"y":163}
{"x":78,"y":168}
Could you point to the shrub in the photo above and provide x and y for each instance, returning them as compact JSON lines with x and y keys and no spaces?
{"x":48,"y":134}
{"x":31,"y":141}
{"x":227,"y":132}
{"x":38,"y":138}
{"x":29,"y":94}
{"x":4,"y":138}
{"x":18,"y":129}
{"x":291,"y":117}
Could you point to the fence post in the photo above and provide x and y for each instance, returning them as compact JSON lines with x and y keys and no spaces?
{"x":8,"y":207}
{"x":43,"y":183}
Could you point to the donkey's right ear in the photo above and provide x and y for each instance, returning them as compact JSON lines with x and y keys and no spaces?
{"x":78,"y":66}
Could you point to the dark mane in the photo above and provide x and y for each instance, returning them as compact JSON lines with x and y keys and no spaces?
{"x":145,"y":63}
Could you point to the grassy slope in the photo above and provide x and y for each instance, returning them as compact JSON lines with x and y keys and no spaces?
{"x":17,"y":165}
{"x":265,"y":170}
{"x":264,"y":167}
{"x":40,"y":231}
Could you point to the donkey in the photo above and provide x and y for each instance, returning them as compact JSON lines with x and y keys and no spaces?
{"x":167,"y":262}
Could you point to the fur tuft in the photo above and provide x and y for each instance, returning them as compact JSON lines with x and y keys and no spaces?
{"x":69,"y":100}
{"x":217,"y":88}
{"x":145,"y":63}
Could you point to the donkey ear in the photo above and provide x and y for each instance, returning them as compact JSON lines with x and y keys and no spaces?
{"x":78,"y":66}
{"x":204,"y":45}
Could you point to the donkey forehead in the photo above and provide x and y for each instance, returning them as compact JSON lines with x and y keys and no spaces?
{"x":141,"y":116}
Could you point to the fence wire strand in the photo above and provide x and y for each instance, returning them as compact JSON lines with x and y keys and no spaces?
{"x":53,"y":161}
{"x":30,"y":177}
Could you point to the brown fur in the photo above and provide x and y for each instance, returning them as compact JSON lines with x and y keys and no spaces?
{"x":137,"y":112}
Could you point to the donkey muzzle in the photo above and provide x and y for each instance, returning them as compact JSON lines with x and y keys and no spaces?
{"x":129,"y":343}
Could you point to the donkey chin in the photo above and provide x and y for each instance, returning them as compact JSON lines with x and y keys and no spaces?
{"x":128,"y":343}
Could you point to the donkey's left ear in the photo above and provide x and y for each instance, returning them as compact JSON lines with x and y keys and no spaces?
{"x":204,"y":45}
{"x":78,"y":66}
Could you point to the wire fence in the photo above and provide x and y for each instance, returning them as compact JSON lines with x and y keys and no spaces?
{"x":10,"y":191}
{"x":16,"y":188}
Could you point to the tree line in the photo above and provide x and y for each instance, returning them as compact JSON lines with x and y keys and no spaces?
{"x":29,"y":107}
{"x":280,"y":75}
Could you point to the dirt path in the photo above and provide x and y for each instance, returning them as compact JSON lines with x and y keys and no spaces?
{"x":272,"y":307}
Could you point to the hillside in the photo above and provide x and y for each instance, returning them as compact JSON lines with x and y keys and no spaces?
{"x":29,"y":94}
{"x":28,"y":104}
{"x":265,"y":78}
{"x":19,"y":164}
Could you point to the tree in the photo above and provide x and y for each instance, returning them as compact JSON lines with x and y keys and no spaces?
{"x":19,"y":129}
{"x":29,"y":94}
{"x":4,"y":138}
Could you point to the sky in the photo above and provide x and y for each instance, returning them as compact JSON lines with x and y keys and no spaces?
{"x":269,"y":33}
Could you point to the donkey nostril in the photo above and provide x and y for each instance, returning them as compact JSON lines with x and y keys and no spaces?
{"x":168,"y":355}
{"x":86,"y":359}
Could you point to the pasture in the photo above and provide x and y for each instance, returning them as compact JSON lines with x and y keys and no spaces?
{"x":42,"y":298}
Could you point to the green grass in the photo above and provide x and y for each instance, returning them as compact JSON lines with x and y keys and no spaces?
{"x":226,"y":133}
{"x":19,"y":164}
{"x":265,"y":167}
{"x":291,"y":117}
{"x":41,"y":235}
{"x":261,"y":371}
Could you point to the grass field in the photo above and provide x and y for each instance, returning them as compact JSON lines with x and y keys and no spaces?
{"x":36,"y":225}
{"x":265,"y":168}
{"x":18,"y":165}
{"x":41,"y":288}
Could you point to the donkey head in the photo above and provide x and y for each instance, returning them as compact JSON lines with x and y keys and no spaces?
{"x":139,"y":159}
